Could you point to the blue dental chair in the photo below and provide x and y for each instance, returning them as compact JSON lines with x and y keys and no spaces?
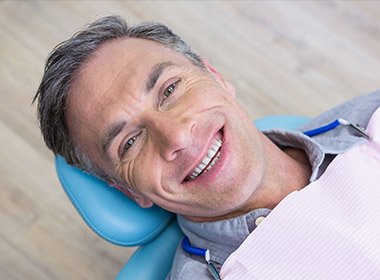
{"x":117,"y":219}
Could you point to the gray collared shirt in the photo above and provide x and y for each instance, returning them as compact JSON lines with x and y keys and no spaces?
{"x":225,"y":236}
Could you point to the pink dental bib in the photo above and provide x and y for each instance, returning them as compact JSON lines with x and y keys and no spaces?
{"x":328,"y":230}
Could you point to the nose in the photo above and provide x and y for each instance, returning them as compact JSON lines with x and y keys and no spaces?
{"x":171,"y":134}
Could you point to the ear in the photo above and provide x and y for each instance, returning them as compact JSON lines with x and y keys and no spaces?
{"x":139,"y":199}
{"x":226,"y":85}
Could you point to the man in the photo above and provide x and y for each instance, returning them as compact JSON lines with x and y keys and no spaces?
{"x":137,"y":108}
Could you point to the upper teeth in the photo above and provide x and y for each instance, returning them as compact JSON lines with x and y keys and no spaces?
{"x":213,"y":150}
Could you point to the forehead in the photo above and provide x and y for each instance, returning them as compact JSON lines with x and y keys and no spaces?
{"x":122,"y":61}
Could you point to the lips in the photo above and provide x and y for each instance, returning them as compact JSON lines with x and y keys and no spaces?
{"x":209,"y":160}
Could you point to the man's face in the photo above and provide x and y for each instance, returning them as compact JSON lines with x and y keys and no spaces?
{"x":173,"y":132}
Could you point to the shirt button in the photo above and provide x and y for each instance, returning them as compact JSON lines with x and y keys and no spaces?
{"x":259,"y":220}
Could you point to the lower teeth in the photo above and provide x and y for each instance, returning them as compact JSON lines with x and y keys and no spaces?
{"x":208,"y":168}
{"x":213,"y":163}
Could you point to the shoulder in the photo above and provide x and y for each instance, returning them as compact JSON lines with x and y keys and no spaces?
{"x":186,"y":267}
{"x":357,"y":110}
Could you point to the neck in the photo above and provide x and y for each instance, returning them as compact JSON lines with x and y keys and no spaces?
{"x":288,"y":170}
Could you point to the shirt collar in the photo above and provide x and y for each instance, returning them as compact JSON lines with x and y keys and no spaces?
{"x":221,"y":237}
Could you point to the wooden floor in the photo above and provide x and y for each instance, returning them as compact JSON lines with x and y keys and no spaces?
{"x":283,"y":57}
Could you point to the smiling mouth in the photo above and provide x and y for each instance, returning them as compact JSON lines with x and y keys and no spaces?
{"x":209,"y":160}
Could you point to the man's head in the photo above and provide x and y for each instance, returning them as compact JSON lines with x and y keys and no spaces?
{"x":138,"y":108}
{"x":62,"y":66}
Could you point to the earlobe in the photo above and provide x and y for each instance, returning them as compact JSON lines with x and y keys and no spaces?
{"x":143,"y":202}
{"x":140,"y":200}
{"x":226,"y":85}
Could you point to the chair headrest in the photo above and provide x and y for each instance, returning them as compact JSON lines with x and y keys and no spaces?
{"x":107,"y":211}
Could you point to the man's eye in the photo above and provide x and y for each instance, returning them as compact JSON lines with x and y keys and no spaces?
{"x":169,"y":90}
{"x":129,"y":143}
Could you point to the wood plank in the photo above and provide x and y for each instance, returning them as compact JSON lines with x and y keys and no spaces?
{"x":283,"y":57}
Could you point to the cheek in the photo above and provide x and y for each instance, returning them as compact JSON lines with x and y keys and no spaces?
{"x":125,"y":172}
{"x":146,"y":172}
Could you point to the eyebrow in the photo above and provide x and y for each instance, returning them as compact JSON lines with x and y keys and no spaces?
{"x":111,"y":134}
{"x":116,"y":128}
{"x":155,"y":73}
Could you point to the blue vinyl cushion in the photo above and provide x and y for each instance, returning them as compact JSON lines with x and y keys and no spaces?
{"x":107,"y":211}
{"x":154,"y":260}
{"x":281,"y":121}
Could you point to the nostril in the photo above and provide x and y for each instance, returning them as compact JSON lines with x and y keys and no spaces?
{"x":170,"y":155}
{"x":192,"y":128}
{"x":172,"y":133}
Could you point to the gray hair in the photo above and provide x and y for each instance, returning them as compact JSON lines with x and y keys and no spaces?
{"x":65,"y":61}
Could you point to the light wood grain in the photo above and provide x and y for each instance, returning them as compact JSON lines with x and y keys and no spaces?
{"x":284,"y":57}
